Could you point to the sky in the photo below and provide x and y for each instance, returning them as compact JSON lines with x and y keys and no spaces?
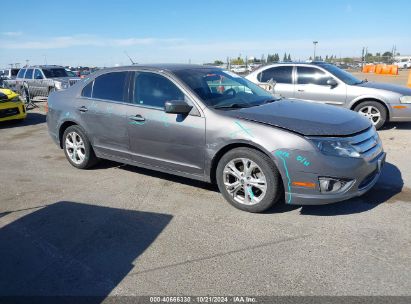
{"x":100,"y":33}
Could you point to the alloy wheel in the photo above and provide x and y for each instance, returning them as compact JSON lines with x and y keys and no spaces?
{"x":75,"y":148}
{"x":244,"y":181}
{"x":372,"y":113}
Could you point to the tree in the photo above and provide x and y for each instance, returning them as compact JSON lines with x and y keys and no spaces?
{"x":285,"y":57}
{"x":289,"y":57}
{"x":311,"y":58}
{"x":237,"y":61}
{"x":326,"y":58}
{"x":276,"y":58}
{"x":218,"y":62}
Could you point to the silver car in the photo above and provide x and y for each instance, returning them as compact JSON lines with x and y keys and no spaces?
{"x":212,"y":125}
{"x":42,"y":79}
{"x":326,"y":83}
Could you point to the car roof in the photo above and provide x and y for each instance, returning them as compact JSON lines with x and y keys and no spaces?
{"x":44,"y":67}
{"x":172,"y":67}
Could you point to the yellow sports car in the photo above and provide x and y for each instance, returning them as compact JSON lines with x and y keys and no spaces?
{"x":11,"y":107}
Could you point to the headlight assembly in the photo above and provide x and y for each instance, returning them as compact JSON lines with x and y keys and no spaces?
{"x":405,"y":99}
{"x":336,"y":147}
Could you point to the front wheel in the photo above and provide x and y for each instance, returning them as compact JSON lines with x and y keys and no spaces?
{"x":77,"y":148}
{"x":249,"y":180}
{"x":374,"y":111}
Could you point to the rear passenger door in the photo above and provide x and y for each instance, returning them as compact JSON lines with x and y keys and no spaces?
{"x":282,"y":75}
{"x":102,"y":109}
{"x":312,"y":85}
{"x":172,"y":141}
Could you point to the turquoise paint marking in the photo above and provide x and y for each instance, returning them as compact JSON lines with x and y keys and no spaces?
{"x":280,"y":154}
{"x":250,"y":191}
{"x":303,"y":160}
{"x":245,"y":130}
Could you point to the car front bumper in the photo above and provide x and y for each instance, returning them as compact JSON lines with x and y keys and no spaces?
{"x":12,"y":110}
{"x":365,"y":176}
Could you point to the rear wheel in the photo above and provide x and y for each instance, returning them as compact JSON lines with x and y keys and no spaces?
{"x":248,"y":180}
{"x":374,"y":111}
{"x":77,"y":148}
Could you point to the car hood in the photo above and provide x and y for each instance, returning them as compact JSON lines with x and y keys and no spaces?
{"x":387,"y":87}
{"x":309,"y":119}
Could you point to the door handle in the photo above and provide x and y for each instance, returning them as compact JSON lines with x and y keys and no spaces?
{"x":82,"y":109}
{"x":137,"y":117}
{"x":300,"y":90}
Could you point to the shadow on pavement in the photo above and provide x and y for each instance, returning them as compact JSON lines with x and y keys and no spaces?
{"x":74,"y":249}
{"x":31,"y":119}
{"x":106,"y":164}
{"x":388,"y":189}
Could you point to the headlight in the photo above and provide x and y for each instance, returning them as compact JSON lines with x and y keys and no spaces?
{"x":405,"y":99}
{"x":61,"y":85}
{"x":336,"y":147}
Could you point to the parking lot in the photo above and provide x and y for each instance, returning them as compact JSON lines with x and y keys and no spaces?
{"x":121,"y":230}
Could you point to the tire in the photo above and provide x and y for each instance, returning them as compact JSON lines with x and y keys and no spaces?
{"x":255,"y":200}
{"x":370,"y":109}
{"x":84,"y":157}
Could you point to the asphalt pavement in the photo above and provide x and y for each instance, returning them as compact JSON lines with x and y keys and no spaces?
{"x":122,"y":230}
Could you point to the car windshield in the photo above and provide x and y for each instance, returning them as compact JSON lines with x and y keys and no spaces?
{"x":341,"y":74}
{"x":55,"y":73}
{"x":71,"y":74}
{"x":219,"y":88}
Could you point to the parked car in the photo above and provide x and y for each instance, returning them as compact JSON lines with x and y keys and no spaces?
{"x":404,"y":63}
{"x":11,"y":107}
{"x":325,"y":83}
{"x":9,"y":74}
{"x":257,"y":149}
{"x":43,"y":79}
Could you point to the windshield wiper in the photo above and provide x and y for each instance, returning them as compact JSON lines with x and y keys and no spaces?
{"x":233,"y":106}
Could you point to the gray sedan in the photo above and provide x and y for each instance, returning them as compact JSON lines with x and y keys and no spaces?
{"x":325,"y":83}
{"x":211,"y":125}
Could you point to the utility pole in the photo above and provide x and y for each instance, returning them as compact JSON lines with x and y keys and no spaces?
{"x":315,"y":46}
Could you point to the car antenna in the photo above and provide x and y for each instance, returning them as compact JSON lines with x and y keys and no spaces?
{"x":132,"y":62}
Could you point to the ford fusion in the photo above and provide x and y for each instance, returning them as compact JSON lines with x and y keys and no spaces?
{"x":209,"y":124}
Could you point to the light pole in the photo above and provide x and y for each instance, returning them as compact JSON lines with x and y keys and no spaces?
{"x":315,"y":45}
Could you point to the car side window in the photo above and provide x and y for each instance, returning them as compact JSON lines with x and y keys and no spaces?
{"x":309,"y":75}
{"x":29,"y":74}
{"x":20,"y":74}
{"x":37,"y":74}
{"x":154,"y":90}
{"x":110,"y":86}
{"x":87,"y":90}
{"x":281,"y":74}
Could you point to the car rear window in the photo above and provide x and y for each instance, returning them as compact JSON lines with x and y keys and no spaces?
{"x":55,"y":73}
{"x":14,"y":72}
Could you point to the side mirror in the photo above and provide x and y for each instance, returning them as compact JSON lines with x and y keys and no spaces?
{"x":332,"y":82}
{"x":177,"y":107}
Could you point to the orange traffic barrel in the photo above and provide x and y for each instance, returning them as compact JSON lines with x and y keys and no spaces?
{"x":378,"y":69}
{"x":371,"y":69}
{"x":409,"y":80}
{"x":365,"y":68}
{"x":394,"y":69}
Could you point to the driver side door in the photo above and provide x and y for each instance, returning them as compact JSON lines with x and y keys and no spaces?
{"x":175,"y":142}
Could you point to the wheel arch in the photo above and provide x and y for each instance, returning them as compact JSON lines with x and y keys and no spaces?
{"x":365,"y":99}
{"x":223,"y":150}
{"x":63,"y":127}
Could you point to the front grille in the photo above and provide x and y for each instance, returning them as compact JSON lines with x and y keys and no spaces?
{"x":367,"y":143}
{"x":9,"y":112}
{"x":73,"y":81}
